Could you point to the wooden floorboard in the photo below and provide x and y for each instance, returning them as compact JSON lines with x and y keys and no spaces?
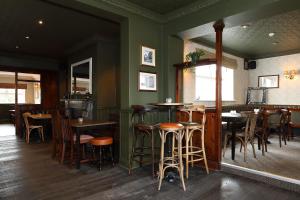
{"x":28,"y":172}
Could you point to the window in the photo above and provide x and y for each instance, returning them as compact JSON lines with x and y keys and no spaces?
{"x":205,"y":83}
{"x":29,"y":90}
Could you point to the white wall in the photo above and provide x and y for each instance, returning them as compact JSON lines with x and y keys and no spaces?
{"x":288,"y":92}
{"x":240,"y":77}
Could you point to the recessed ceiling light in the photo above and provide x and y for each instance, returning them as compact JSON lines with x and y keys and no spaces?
{"x":271,"y":34}
{"x":17,"y":47}
{"x":245,"y":26}
{"x":27,"y":37}
{"x":274,"y":43}
{"x":40,"y":22}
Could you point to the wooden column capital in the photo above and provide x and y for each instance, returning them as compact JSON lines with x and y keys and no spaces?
{"x":219,"y":26}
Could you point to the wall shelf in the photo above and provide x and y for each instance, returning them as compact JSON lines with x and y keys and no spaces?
{"x":207,"y":61}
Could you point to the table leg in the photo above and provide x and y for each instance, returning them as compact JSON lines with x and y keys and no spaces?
{"x":233,"y":142}
{"x":78,"y":148}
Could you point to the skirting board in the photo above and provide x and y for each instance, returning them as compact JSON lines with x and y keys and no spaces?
{"x":272,"y":179}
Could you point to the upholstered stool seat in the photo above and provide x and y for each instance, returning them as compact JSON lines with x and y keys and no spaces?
{"x":84,"y":138}
{"x":102,"y":141}
{"x":170,"y":126}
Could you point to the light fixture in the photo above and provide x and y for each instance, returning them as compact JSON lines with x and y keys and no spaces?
{"x":17,"y":47}
{"x":290,"y":74}
{"x":40,"y":22}
{"x":271,"y":34}
{"x":245,"y":26}
{"x":27,"y":37}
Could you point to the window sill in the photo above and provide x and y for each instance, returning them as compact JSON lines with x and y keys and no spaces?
{"x":214,"y":101}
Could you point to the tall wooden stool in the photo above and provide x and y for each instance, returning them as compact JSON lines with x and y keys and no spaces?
{"x":174,"y":161}
{"x":102,"y":142}
{"x":141,"y":131}
{"x":194,"y":153}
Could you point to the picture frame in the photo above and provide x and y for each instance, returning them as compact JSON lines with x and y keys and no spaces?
{"x":147,"y":81}
{"x":268,"y":81}
{"x":148,"y":56}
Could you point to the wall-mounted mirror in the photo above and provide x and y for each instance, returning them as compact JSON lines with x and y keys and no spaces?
{"x":81,"y":77}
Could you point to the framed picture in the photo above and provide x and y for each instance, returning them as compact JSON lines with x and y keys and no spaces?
{"x":147,"y":81}
{"x":148,"y":56}
{"x":268,"y":81}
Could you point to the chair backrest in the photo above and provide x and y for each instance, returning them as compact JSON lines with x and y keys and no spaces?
{"x":66,"y":129}
{"x":194,"y":108}
{"x":284,"y":118}
{"x":139,"y":113}
{"x":25,"y":117}
{"x":250,"y":124}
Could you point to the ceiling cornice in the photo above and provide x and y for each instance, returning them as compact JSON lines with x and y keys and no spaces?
{"x":188,"y":9}
{"x":133,"y":8}
{"x":191,"y":8}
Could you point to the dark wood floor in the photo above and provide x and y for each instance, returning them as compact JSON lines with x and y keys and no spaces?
{"x":28,"y":172}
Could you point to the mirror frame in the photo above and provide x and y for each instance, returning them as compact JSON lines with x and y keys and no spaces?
{"x":90,"y":61}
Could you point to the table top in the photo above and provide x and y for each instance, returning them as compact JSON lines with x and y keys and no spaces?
{"x":232,"y":115}
{"x":171,"y":104}
{"x":88,"y":123}
{"x":40,"y":116}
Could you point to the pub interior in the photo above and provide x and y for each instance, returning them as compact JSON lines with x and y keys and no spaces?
{"x":149,"y":100}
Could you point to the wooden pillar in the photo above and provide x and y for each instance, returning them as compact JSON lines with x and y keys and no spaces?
{"x":218,"y":26}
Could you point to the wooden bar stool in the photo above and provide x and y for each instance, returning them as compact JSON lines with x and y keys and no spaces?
{"x":102,"y":142}
{"x":141,"y":131}
{"x":194,"y":153}
{"x":174,"y":161}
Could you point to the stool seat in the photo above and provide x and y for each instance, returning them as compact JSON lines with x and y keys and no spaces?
{"x":171,"y":126}
{"x":101,"y":141}
{"x":84,"y":138}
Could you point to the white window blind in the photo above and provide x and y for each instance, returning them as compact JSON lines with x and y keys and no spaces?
{"x":205,"y":83}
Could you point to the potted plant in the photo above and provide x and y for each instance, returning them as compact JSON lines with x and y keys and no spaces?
{"x":194,"y":56}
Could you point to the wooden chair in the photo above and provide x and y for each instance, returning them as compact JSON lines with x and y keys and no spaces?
{"x":69,"y":140}
{"x":293,"y":122}
{"x":30,"y":128}
{"x":247,"y":136}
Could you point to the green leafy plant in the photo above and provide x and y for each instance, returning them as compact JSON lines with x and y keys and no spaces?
{"x":194,"y":56}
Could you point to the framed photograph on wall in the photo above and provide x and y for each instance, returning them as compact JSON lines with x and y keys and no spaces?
{"x":268,"y":81}
{"x":147,"y":81}
{"x":148,"y":56}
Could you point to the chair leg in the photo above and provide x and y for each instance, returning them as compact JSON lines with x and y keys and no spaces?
{"x":142,"y":151}
{"x":204,"y":154}
{"x":100,"y":158}
{"x":253,"y":149}
{"x":132,"y":153}
{"x":187,"y":153}
{"x":161,"y":161}
{"x":180,"y":161}
{"x":152,"y":153}
{"x":279,"y":139}
{"x":42,"y":134}
{"x":112,"y":155}
{"x":258,"y":142}
{"x":191,"y":144}
{"x":63,"y":153}
{"x":225,"y":143}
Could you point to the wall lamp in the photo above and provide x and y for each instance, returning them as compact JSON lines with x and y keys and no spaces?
{"x":290,"y":74}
